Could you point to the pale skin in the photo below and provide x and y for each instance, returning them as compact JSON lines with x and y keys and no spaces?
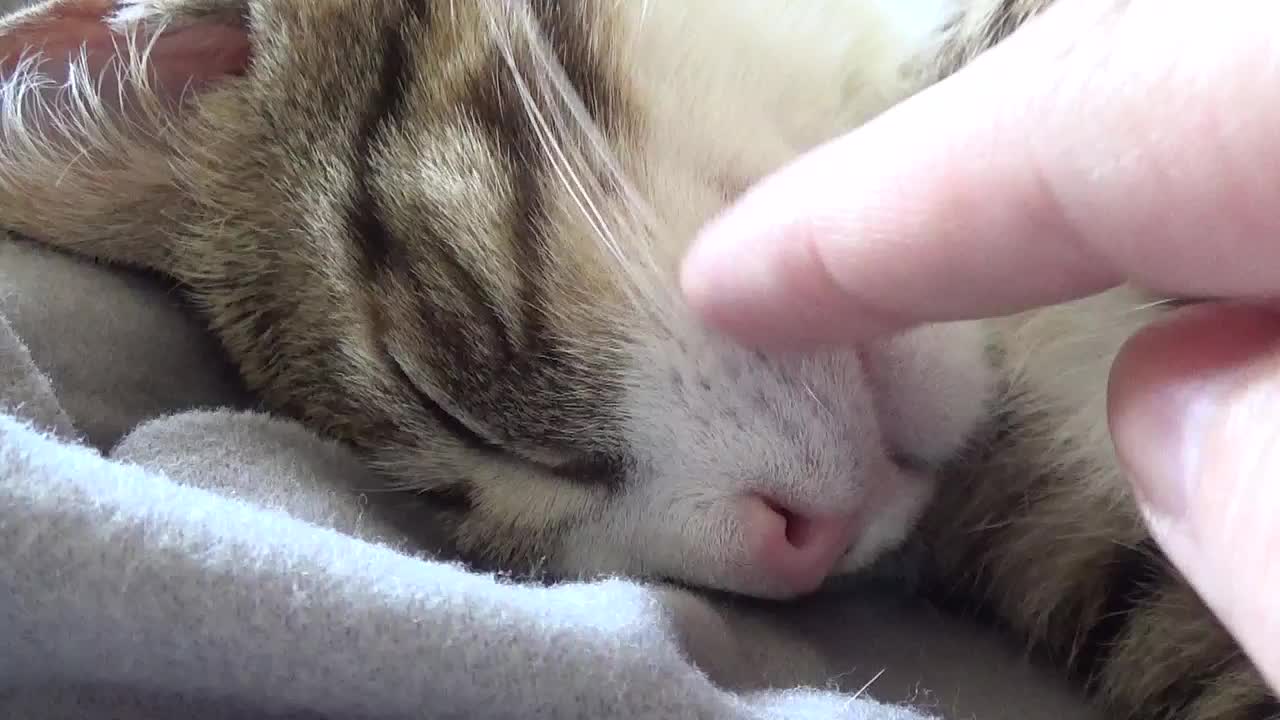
{"x":1106,"y":142}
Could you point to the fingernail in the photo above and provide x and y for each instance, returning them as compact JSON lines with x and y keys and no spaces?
{"x":1169,"y":390}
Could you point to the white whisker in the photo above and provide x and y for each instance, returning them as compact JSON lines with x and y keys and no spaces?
{"x":579,"y":156}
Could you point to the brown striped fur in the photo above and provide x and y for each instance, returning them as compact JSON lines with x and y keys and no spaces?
{"x":450,"y":240}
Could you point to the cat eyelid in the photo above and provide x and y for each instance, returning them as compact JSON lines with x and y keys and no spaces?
{"x":467,"y":433}
{"x":592,"y":468}
{"x":589,"y":467}
{"x":572,"y":469}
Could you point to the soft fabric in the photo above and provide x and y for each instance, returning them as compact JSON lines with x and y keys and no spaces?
{"x":167,"y":551}
{"x":118,"y":577}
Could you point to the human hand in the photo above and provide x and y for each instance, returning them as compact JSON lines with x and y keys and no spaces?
{"x":1106,"y":142}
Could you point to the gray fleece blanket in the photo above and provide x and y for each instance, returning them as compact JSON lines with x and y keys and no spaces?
{"x":166,"y":549}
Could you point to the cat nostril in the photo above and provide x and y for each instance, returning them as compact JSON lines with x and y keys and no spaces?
{"x":910,"y":463}
{"x":799,"y":529}
{"x":796,"y":551}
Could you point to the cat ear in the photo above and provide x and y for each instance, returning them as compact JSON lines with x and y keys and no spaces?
{"x":88,"y":90}
{"x":179,"y":47}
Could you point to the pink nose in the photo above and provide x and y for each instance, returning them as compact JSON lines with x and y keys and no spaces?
{"x":795,"y":551}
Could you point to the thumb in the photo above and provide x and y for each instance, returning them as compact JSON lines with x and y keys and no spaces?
{"x":1195,"y":412}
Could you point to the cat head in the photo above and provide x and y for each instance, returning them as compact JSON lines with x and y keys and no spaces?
{"x":449,"y":233}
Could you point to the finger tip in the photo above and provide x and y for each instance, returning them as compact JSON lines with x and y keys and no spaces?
{"x":696,"y":274}
{"x":1167,"y":356}
{"x":707,"y":288}
{"x":1191,"y":342}
{"x":764,"y":290}
{"x":731,"y":305}
{"x":1170,"y":382}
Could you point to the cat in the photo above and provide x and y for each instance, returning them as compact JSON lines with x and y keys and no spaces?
{"x":448,"y":234}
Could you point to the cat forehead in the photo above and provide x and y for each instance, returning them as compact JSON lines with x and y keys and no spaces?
{"x":421,"y":127}
{"x":426,"y":63}
{"x":474,"y":167}
{"x":486,"y":236}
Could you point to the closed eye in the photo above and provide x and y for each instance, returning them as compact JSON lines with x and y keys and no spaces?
{"x":593,"y":468}
{"x":469,"y":436}
{"x":588,"y":468}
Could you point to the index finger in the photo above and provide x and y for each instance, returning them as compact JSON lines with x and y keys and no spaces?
{"x":1105,"y":142}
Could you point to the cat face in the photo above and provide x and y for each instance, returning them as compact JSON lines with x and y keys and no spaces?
{"x":448,"y":233}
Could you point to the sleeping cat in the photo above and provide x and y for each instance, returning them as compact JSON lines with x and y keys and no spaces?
{"x":448,"y":232}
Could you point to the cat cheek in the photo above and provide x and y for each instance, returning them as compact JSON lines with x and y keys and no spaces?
{"x":932,"y":387}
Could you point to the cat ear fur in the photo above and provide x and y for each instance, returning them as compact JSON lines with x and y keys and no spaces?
{"x":187,"y":45}
{"x":87,"y":88}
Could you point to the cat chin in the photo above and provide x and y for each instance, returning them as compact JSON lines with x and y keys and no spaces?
{"x":888,"y":520}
